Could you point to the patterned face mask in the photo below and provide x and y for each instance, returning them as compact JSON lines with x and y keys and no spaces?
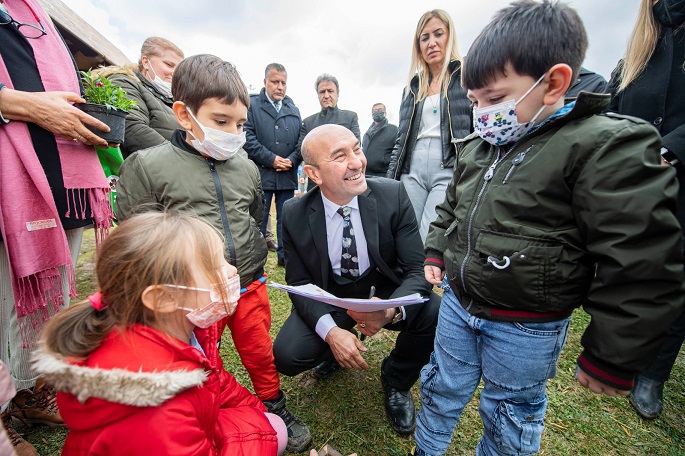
{"x":217,"y":309}
{"x":498,"y":124}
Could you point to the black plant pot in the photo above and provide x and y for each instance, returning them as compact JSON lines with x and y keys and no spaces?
{"x":114,"y":118}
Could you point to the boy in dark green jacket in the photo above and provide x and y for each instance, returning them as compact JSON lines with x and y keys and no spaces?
{"x":551,"y":207}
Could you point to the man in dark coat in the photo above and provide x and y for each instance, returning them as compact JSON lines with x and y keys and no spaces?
{"x":379,"y":141}
{"x":388,"y":254}
{"x":328,"y":90}
{"x":272,"y":131}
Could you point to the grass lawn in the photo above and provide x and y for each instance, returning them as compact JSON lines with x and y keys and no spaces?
{"x":347,"y":410}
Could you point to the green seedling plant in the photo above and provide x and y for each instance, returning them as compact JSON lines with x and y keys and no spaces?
{"x":100,"y":90}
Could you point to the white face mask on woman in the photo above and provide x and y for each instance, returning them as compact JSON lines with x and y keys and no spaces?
{"x":160,"y":84}
{"x":220,"y":145}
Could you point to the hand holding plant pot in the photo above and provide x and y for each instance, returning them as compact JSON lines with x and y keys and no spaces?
{"x":108,"y":103}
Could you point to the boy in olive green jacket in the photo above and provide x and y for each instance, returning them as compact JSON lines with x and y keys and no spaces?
{"x":204,"y":171}
{"x":551,"y":207}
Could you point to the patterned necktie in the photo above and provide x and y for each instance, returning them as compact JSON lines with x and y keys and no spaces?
{"x":349,"y":263}
{"x":277,"y":106}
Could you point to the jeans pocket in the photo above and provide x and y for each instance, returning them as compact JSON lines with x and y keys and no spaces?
{"x":518,"y":426}
{"x":546,"y":329}
{"x":429,"y":373}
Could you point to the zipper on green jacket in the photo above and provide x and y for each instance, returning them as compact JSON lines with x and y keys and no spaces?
{"x":489,"y":174}
{"x":222,"y":210}
{"x":469,"y":228}
{"x":515,"y":164}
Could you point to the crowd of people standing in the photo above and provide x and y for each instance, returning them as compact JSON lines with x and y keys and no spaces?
{"x":512,"y":182}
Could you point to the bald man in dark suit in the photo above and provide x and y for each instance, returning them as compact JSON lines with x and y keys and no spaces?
{"x":387,"y":258}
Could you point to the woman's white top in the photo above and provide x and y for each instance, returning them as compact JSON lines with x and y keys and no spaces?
{"x":430,"y":118}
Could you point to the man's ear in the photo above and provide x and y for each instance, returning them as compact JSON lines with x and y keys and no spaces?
{"x":158,"y":299}
{"x":559,"y":80}
{"x":182,"y":116}
{"x":312,"y":173}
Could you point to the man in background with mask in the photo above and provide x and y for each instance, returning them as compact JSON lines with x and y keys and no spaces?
{"x":378,"y":142}
{"x":271,"y":131}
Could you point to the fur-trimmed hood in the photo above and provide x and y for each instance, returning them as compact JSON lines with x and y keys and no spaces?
{"x":142,"y":392}
{"x":138,"y":367}
{"x":140,"y":389}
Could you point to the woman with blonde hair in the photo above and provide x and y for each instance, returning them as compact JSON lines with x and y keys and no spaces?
{"x":649,"y":83}
{"x":152,"y":121}
{"x":434,"y":113}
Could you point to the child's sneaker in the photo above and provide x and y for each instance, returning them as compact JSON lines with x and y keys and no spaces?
{"x":299,"y":437}
{"x":38,"y":406}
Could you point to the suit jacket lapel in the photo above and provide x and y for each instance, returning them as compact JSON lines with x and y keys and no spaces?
{"x":369,"y":215}
{"x":317,"y":230}
{"x":268,"y":108}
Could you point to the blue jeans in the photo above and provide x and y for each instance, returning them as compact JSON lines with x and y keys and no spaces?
{"x":281,"y":197}
{"x":515,"y":361}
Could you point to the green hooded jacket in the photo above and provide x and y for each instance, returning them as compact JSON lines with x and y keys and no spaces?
{"x":226,"y":194}
{"x":578,"y":213}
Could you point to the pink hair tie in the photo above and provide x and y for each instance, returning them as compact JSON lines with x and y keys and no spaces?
{"x":96,"y":301}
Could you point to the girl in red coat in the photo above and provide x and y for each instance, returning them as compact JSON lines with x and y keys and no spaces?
{"x":137,"y":365}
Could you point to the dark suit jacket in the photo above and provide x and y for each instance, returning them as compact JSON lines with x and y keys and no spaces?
{"x":391,"y":233}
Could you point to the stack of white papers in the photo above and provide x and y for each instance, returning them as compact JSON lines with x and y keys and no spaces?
{"x":358,"y":305}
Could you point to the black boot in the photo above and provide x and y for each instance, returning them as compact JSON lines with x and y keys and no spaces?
{"x":299,"y":437}
{"x":647,"y":397}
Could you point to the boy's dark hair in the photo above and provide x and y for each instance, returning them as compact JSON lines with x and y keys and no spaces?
{"x":532,"y":36}
{"x":201,"y":77}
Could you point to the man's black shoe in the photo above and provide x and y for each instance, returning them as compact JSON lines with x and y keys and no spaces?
{"x":281,"y":262}
{"x":399,"y":408}
{"x":647,"y":397}
{"x":326,"y":369}
{"x":272,"y":246}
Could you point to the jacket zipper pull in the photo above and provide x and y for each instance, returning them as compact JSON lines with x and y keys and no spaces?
{"x":519,"y":158}
{"x":490,"y":172}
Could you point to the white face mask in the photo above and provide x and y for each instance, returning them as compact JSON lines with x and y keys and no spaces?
{"x":160,"y":84}
{"x":220,"y":145}
{"x":498,"y":124}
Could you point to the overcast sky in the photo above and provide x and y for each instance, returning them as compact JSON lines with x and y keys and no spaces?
{"x":365,"y":44}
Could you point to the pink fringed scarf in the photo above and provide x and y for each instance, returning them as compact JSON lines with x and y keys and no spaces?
{"x":31,"y":229}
